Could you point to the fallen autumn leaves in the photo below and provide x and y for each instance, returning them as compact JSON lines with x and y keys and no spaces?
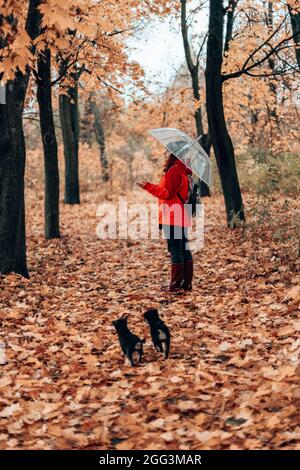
{"x":232,"y":381}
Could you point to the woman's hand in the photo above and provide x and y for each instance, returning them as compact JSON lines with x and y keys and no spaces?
{"x":142,"y":184}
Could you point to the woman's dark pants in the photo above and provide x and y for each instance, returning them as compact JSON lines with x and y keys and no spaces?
{"x":181,"y":257}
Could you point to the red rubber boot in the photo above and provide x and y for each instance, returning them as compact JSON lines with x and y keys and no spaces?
{"x":188,"y":275}
{"x":177,"y":277}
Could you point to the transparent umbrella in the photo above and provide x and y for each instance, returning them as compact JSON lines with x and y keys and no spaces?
{"x":188,"y":150}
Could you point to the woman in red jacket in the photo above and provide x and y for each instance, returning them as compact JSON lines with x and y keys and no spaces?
{"x":174,"y":219}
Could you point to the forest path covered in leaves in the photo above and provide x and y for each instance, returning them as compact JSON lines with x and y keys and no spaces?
{"x":232,"y":380}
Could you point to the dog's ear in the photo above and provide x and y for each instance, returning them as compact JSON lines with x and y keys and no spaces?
{"x":151,"y":311}
{"x":146,"y":316}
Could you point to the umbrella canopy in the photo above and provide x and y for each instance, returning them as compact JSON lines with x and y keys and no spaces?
{"x":186,"y":149}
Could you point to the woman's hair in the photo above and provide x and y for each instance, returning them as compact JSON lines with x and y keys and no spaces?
{"x":170,"y":162}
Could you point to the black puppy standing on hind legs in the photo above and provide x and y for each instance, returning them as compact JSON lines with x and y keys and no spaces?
{"x":160,"y":333}
{"x":131,"y":344}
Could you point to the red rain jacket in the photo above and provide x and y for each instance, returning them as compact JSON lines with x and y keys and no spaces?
{"x":171,"y":208}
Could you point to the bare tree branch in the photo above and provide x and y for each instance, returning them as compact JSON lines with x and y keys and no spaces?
{"x":267,"y":55}
{"x":201,"y":49}
{"x":186,"y":44}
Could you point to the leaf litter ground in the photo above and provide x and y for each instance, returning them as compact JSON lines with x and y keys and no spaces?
{"x":232,"y":381}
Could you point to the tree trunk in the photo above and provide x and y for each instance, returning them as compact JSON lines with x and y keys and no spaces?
{"x":12,"y":169}
{"x":49,"y":145}
{"x":229,"y":25}
{"x":86,"y":126}
{"x":12,"y":162}
{"x":221,"y":140}
{"x":194,"y":72}
{"x":100,"y":136}
{"x":69,"y":119}
{"x":254,"y":121}
{"x":204,"y":142}
{"x":295,"y":22}
{"x":273,"y":117}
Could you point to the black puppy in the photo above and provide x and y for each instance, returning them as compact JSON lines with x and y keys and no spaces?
{"x":160,"y":333}
{"x":131,"y":345}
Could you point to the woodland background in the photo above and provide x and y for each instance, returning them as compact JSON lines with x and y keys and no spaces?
{"x":73,"y":134}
